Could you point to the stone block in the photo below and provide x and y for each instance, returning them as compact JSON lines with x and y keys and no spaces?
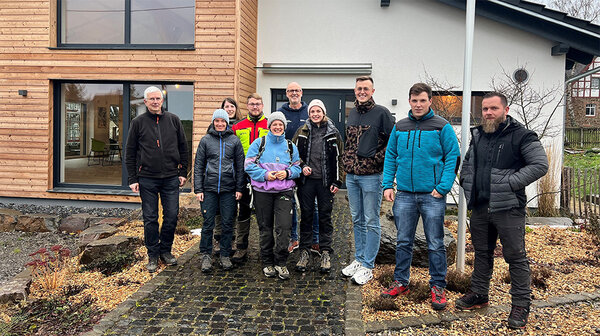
{"x":93,"y":233}
{"x":113,"y":221}
{"x":78,"y":222}
{"x":15,"y":290}
{"x":37,"y":223}
{"x":101,"y":248}
{"x":8,"y":219}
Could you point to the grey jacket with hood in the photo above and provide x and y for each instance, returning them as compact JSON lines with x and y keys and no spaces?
{"x":517,"y":159}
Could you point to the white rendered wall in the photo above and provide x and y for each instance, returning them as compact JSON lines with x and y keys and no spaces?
{"x":403,"y":42}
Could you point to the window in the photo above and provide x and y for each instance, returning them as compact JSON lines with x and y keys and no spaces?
{"x":126,"y":24}
{"x":449,"y":106}
{"x":595,"y":83}
{"x":590,"y":110}
{"x":92,"y":127}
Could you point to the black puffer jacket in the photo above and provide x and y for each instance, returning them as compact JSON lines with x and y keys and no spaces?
{"x":332,"y":148}
{"x":156,"y":147}
{"x":219,"y":163}
{"x":517,"y":159}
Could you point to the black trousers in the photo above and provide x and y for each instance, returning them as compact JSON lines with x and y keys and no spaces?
{"x":485,"y":229}
{"x":306,"y":193}
{"x":274,"y":215}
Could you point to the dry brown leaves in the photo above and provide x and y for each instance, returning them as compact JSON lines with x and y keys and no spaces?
{"x":109,"y":291}
{"x":560,"y":250}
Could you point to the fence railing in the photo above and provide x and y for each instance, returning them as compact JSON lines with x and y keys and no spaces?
{"x":582,"y":137}
{"x":580,"y":191}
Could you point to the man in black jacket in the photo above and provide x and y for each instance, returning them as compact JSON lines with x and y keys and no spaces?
{"x":156,"y":160}
{"x":503,"y":158}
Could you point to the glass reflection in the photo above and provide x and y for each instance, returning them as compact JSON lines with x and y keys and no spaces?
{"x":93,"y":22}
{"x":162,"y":22}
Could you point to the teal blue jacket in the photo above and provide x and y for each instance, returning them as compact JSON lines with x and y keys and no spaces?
{"x":422,"y":155}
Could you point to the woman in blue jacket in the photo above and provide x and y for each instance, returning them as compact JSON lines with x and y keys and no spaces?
{"x":272,"y":162}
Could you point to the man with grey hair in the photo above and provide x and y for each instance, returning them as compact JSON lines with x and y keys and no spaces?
{"x":156,"y":157}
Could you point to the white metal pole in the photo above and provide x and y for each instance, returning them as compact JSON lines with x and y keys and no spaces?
{"x":464,"y":132}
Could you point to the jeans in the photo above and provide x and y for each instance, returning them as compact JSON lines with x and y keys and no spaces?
{"x":168,"y":189}
{"x":307,"y":192}
{"x":407,"y":209}
{"x":225,"y":203}
{"x":485,"y":229}
{"x":364,"y":197}
{"x":274,"y":216}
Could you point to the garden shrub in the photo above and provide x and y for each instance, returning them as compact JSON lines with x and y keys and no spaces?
{"x":112,"y":263}
{"x":458,"y":281}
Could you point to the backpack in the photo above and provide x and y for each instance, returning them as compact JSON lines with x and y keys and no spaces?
{"x":261,"y":149}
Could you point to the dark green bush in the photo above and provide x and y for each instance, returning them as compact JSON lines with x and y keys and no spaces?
{"x":457,"y":281}
{"x":112,"y":263}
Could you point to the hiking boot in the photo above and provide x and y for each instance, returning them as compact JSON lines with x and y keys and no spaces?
{"x":152,"y":265}
{"x":362,"y":276}
{"x":315,"y":248}
{"x":394,"y":290}
{"x":168,"y":259}
{"x":282,"y":272}
{"x":438,"y":298}
{"x":471,"y":300}
{"x":269,"y":271}
{"x":206,"y":263}
{"x":325,"y":262}
{"x":216,"y":247}
{"x":293,"y":245}
{"x":239,"y":255}
{"x":351,"y":269}
{"x":518,"y":317}
{"x":226,"y":263}
{"x":303,"y":261}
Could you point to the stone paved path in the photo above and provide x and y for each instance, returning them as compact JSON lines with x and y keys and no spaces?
{"x":243,"y":301}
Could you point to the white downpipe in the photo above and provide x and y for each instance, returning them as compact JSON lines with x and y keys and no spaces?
{"x":464,"y":132}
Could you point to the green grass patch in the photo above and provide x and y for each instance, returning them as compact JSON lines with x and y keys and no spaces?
{"x":590,"y":160}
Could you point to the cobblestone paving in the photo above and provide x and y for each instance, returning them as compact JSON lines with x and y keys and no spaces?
{"x":243,"y":301}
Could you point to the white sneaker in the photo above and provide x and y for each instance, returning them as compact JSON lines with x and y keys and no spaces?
{"x":352,"y":268}
{"x":362,"y":276}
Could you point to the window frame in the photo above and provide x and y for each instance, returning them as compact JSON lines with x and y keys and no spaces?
{"x":58,"y":127}
{"x":595,"y":80}
{"x":590,"y":107}
{"x":126,"y":45}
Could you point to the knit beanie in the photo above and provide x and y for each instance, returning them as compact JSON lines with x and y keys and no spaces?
{"x":319,"y":103}
{"x":277,"y":116}
{"x":220,"y":113}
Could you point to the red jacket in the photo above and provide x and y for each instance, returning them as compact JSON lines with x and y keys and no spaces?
{"x":248,"y":130}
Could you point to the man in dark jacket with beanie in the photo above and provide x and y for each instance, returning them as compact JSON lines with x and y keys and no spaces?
{"x":156,"y":159}
{"x":503,"y":158}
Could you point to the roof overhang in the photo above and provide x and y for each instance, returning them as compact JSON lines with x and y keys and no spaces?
{"x":317,"y":68}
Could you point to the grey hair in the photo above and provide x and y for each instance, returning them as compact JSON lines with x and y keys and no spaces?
{"x":151,"y":89}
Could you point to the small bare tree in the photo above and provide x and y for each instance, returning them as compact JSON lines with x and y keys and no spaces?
{"x":529,"y":103}
{"x":582,"y":9}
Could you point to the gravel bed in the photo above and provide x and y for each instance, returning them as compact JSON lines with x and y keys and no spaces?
{"x":15,"y":247}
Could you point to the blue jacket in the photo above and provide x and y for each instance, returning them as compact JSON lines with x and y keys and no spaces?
{"x":295,"y":118}
{"x":422,"y":155}
{"x":276,"y":156}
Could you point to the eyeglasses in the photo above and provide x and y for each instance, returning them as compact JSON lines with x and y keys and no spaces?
{"x":294,"y":91}
{"x":255,"y":104}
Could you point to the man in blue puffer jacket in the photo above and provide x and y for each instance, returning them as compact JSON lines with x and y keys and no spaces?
{"x":423,"y":155}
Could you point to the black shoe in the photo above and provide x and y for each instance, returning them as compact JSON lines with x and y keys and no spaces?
{"x":152,"y":264}
{"x":472,"y":301}
{"x":518,"y":317}
{"x":239,"y":256}
{"x":168,"y":259}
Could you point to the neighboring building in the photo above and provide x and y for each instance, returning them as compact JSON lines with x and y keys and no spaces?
{"x":84,"y":65}
{"x":585,"y":99}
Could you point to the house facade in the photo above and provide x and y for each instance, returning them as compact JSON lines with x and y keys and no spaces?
{"x":585,"y":99}
{"x":72,"y":73}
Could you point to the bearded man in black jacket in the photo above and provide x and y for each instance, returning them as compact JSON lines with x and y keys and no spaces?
{"x":503,"y":158}
{"x":156,"y":157}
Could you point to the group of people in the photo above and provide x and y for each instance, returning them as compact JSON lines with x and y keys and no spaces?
{"x":261,"y":161}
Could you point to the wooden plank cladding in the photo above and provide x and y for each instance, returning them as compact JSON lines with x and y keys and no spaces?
{"x":220,"y":65}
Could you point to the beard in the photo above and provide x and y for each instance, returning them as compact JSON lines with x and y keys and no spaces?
{"x":491,"y":125}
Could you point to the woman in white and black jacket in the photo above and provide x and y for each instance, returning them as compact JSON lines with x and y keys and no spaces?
{"x":320,"y":146}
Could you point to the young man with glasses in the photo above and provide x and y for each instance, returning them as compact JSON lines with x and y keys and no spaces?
{"x":249,"y":129}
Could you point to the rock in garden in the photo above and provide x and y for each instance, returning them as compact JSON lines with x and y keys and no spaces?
{"x":78,"y":222}
{"x":387,"y":248}
{"x":101,"y":248}
{"x":96,"y":232}
{"x":37,"y":223}
{"x":113,"y":221}
{"x":16,"y":289}
{"x":8,"y":219}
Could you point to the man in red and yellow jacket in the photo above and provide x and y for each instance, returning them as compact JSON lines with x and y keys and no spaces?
{"x":248,"y":130}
